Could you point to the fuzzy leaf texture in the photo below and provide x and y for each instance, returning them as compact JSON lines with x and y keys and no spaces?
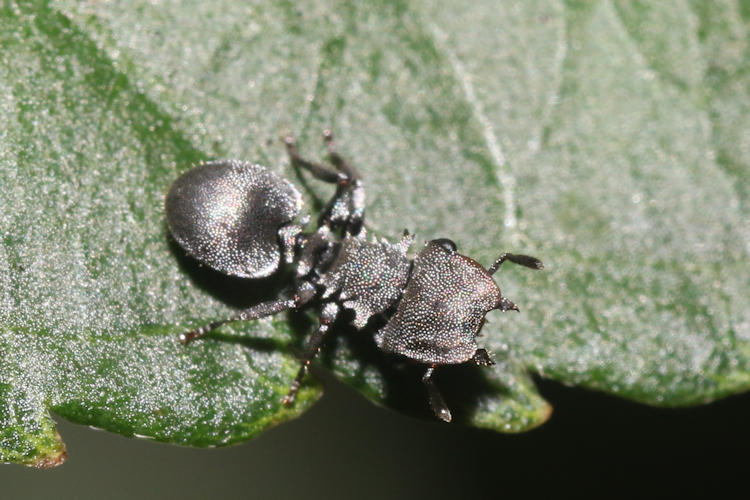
{"x":611,"y":139}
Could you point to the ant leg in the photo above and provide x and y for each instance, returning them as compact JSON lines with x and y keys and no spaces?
{"x":347,"y":206}
{"x":439,"y":408}
{"x":523,"y":260}
{"x":349,"y":201}
{"x":482,"y":358}
{"x":255,"y":312}
{"x":321,"y":172}
{"x":327,"y":317}
{"x":337,"y":160}
{"x":284,"y":303}
{"x":506,"y":304}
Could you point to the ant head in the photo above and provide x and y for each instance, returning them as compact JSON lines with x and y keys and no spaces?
{"x":443,"y":307}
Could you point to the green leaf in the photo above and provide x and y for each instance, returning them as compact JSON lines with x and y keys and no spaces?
{"x":610,"y":139}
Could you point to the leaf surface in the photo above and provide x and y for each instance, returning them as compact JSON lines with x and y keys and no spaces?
{"x":610,"y":139}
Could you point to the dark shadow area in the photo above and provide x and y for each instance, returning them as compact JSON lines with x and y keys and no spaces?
{"x":608,"y":445}
{"x":344,"y":447}
{"x":462,"y":386}
{"x":593,"y":445}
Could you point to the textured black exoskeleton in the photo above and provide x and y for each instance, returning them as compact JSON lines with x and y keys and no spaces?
{"x":240,"y":219}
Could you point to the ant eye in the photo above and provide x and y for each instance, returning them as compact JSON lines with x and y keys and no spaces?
{"x":445,"y":243}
